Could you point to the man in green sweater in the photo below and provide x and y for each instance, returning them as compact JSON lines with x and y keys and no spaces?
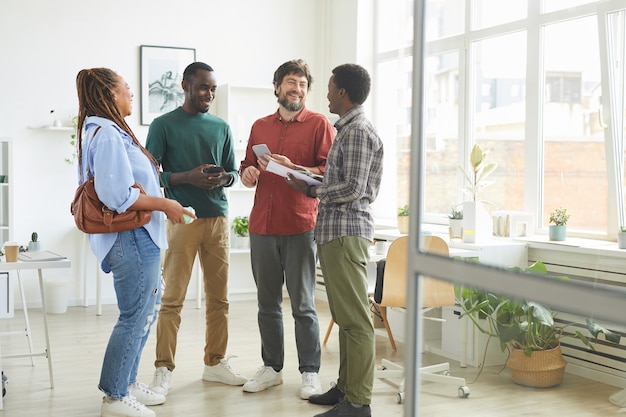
{"x":195,"y":150}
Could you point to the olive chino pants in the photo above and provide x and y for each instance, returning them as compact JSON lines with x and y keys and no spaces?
{"x":344,"y":265}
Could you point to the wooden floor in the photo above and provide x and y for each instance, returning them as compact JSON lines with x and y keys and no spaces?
{"x":78,"y":339}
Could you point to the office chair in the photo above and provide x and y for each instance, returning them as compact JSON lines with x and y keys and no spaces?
{"x":435,"y":293}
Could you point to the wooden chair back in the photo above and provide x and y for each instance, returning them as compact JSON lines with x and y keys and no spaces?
{"x":436,"y":293}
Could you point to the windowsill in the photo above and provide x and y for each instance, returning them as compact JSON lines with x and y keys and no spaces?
{"x":574,"y":245}
{"x":571,"y":244}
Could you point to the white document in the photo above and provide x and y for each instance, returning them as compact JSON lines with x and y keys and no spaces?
{"x":281,"y":170}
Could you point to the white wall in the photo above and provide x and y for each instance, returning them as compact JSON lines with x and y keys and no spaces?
{"x":44,"y":44}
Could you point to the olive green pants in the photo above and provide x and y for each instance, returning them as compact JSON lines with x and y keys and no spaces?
{"x":344,"y":265}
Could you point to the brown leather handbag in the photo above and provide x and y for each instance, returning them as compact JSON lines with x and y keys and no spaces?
{"x":91,"y":216}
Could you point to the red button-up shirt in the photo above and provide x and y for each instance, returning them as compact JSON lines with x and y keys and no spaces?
{"x":279,"y":209}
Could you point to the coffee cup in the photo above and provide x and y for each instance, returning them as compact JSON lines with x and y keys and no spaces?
{"x":11,"y":251}
{"x":380,"y":247}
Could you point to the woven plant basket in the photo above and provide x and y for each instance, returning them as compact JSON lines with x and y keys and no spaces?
{"x":542,"y":369}
{"x":403,"y":224}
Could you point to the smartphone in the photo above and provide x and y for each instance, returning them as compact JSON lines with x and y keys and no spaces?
{"x":212,"y":170}
{"x":260,"y":150}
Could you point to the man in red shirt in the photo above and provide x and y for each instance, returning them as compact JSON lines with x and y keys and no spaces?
{"x":281,"y":226}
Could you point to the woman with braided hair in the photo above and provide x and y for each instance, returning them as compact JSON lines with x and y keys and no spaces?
{"x":109,"y":151}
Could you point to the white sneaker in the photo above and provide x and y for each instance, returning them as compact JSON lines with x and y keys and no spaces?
{"x":311,"y":385}
{"x":145,"y":395}
{"x":162,"y":381}
{"x":125,"y":407}
{"x":264,"y":378}
{"x":222,"y":372}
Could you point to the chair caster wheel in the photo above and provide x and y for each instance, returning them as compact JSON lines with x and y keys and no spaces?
{"x":400,"y":397}
{"x":463,"y":391}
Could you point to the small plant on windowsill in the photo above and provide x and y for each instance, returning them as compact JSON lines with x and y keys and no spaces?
{"x":621,"y":237}
{"x":559,"y":217}
{"x":558,"y":230}
{"x":403,"y":219}
{"x":455,"y":214}
{"x":456,"y":223}
{"x":479,"y":170}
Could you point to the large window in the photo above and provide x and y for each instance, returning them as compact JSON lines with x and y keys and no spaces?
{"x":527,"y":81}
{"x":574,"y":163}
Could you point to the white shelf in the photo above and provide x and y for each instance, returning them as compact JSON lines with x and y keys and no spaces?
{"x":241,"y":106}
{"x":58,"y":128}
{"x":234,"y":251}
{"x":62,"y":128}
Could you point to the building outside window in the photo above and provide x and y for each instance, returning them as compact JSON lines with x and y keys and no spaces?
{"x":513,"y":82}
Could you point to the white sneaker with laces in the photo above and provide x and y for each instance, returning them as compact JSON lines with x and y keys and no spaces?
{"x":311,"y":385}
{"x":162,"y":381}
{"x":265,"y":377}
{"x":222,"y":372}
{"x":125,"y":407}
{"x":145,"y":395}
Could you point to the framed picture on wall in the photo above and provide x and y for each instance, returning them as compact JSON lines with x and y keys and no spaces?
{"x":161,"y":75}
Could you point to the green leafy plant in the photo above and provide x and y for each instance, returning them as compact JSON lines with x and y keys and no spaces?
{"x":403,"y":211}
{"x":519,"y":324}
{"x":33,"y":237}
{"x":73,"y":157}
{"x":479,"y":170}
{"x":455,"y":213}
{"x":622,"y":229}
{"x":240,"y":225}
{"x":559,"y":217}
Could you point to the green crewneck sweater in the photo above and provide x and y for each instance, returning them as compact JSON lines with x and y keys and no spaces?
{"x":181,"y":141}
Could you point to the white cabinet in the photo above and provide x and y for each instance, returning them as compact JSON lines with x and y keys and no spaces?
{"x":241,"y":106}
{"x":5,"y":194}
{"x":6,"y":216}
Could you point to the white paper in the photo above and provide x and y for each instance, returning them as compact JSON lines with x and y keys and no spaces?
{"x":281,"y":170}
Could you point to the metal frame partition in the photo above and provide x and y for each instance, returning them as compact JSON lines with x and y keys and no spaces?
{"x":573,"y":297}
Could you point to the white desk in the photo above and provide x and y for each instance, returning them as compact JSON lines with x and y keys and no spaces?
{"x":39,"y":266}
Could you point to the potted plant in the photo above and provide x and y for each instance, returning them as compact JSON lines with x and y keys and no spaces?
{"x":621,"y":237}
{"x":403,"y":219}
{"x":74,"y":155}
{"x":558,"y":230}
{"x":528,"y":330}
{"x":240,"y":228}
{"x":455,"y":217}
{"x":34,"y":244}
{"x":477,"y":223}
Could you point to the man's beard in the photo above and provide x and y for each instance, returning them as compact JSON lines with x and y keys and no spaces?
{"x":291,"y":106}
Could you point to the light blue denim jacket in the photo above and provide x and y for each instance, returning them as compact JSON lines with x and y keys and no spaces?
{"x":116,"y":162}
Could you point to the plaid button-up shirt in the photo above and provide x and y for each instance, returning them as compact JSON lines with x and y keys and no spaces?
{"x":351,"y":180}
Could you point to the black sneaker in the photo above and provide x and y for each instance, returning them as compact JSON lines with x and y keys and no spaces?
{"x":330,"y":397}
{"x":345,"y":409}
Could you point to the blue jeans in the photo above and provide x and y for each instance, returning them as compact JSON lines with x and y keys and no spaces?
{"x":290,"y":260}
{"x":135,"y":262}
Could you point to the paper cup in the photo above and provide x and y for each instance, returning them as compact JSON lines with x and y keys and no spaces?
{"x":11,"y":251}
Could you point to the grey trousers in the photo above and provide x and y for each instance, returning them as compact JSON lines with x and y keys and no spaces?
{"x":289,"y":260}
